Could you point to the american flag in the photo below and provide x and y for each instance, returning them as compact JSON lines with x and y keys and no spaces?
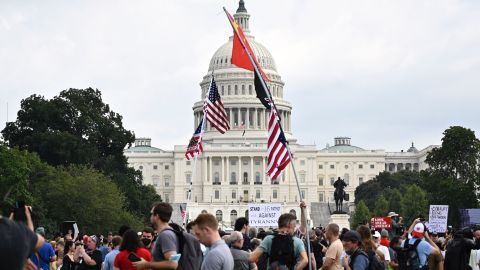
{"x":214,"y":110}
{"x":278,"y":157}
{"x":182,"y":212}
{"x":195,"y":145}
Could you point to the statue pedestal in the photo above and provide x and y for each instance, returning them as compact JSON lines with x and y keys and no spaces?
{"x":341,"y":220}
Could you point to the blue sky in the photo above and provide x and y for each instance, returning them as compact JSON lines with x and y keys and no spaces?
{"x":385,"y":73}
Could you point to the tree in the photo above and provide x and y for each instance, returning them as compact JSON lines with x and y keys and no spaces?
{"x":82,"y":194}
{"x":383,"y":184}
{"x":394,"y":202}
{"x":361,"y":215}
{"x":381,"y":207}
{"x":76,"y":127}
{"x":414,"y":203}
{"x":458,"y":156}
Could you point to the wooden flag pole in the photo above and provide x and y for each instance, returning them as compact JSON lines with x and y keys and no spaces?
{"x":269,"y":95}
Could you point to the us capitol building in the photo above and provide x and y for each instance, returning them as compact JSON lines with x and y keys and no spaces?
{"x":230,"y":173}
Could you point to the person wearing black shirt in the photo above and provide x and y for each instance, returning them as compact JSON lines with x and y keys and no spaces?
{"x":90,"y":259}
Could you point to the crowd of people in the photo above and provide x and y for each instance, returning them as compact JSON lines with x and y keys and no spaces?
{"x":203,"y":246}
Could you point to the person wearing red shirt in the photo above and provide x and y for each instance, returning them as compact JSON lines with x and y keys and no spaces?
{"x":131,"y":247}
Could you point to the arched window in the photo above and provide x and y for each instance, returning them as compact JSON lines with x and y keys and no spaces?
{"x":236,"y":90}
{"x":223,"y":90}
{"x":233,"y":217}
{"x":228,"y":90}
{"x":243,"y":89}
{"x":250,"y":89}
{"x":219,"y":215}
{"x":204,"y":211}
{"x":293,"y":212}
{"x":245,"y":177}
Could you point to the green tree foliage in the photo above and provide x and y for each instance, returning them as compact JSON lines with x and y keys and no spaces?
{"x":447,"y":191}
{"x":82,"y":194}
{"x":414,"y":202}
{"x":361,"y":215}
{"x":77,"y":127}
{"x":384,"y":183}
{"x":458,"y":156}
{"x":381,"y":207}
{"x":395,"y":201}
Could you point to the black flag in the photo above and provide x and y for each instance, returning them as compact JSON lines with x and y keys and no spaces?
{"x":261,"y":92}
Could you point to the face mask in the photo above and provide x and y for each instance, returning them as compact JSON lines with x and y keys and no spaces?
{"x":146,"y":241}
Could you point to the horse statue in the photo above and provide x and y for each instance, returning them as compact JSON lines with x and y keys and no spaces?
{"x":339,"y":194}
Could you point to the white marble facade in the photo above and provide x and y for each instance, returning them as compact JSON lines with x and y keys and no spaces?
{"x":231,"y":171}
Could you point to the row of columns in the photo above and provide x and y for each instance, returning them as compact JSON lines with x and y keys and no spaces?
{"x":394,"y":167}
{"x":225,"y":169}
{"x":256,"y":118}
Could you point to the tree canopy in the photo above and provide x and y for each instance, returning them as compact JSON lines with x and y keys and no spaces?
{"x":78,"y":128}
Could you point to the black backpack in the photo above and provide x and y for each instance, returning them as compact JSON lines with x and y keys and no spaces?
{"x":374,"y":262}
{"x":282,"y":253}
{"x":189,"y":247}
{"x":407,"y":256}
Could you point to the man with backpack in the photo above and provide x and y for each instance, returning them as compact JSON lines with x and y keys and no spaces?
{"x":356,"y":259}
{"x":173,"y":249}
{"x":285,"y":251}
{"x":416,"y":250}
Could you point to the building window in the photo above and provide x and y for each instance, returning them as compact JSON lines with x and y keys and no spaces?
{"x":223,"y":90}
{"x":234,"y":194}
{"x":360,"y":166}
{"x":216,"y":163}
{"x":188,"y":162}
{"x":236,"y":90}
{"x":188,"y":178}
{"x":275,"y":194}
{"x":257,"y":177}
{"x":217,"y":194}
{"x":233,"y":217}
{"x":320,"y":166}
{"x":332,"y":180}
{"x":321,"y":196}
{"x":204,"y":211}
{"x":233,"y":162}
{"x":228,"y":89}
{"x":233,"y":177}
{"x":332,"y":166}
{"x":155,"y":167}
{"x":155,"y":181}
{"x":320,"y":181}
{"x":245,"y":177}
{"x":167,"y":197}
{"x":216,"y":177}
{"x":257,"y":194}
{"x":346,"y":166}
{"x":302,"y":177}
{"x":167,"y":181}
{"x":257,"y":161}
{"x":140,"y":167}
{"x":167,"y":167}
{"x":243,"y":89}
{"x":245,"y":162}
{"x":219,"y":215}
{"x":372,"y":166}
{"x":302,"y":162}
{"x":360,"y":180}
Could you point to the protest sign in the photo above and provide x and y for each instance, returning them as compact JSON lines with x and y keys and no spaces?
{"x":378,"y":223}
{"x":264,"y":214}
{"x":437,"y":218}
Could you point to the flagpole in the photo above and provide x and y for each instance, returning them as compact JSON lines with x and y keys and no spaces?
{"x":189,"y":197}
{"x":267,"y":91}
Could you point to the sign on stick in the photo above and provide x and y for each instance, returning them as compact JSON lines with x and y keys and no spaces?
{"x":264,"y":214}
{"x":378,"y":223}
{"x":437,"y":219}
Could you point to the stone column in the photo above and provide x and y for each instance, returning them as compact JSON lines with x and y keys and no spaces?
{"x":210,"y":168}
{"x":255,"y":119}
{"x":223,"y":170}
{"x":247,"y":119}
{"x":228,"y":169}
{"x":204,"y":168}
{"x":240,"y":173}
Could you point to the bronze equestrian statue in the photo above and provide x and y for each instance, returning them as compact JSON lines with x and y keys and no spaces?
{"x":339,"y":194}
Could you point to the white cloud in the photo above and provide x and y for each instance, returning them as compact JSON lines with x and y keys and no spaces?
{"x":383,"y":72}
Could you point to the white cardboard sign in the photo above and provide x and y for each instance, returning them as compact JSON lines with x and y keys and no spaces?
{"x":264,"y":214}
{"x":437,"y":219}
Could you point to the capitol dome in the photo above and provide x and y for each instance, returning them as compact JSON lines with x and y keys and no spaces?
{"x":247,"y":116}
